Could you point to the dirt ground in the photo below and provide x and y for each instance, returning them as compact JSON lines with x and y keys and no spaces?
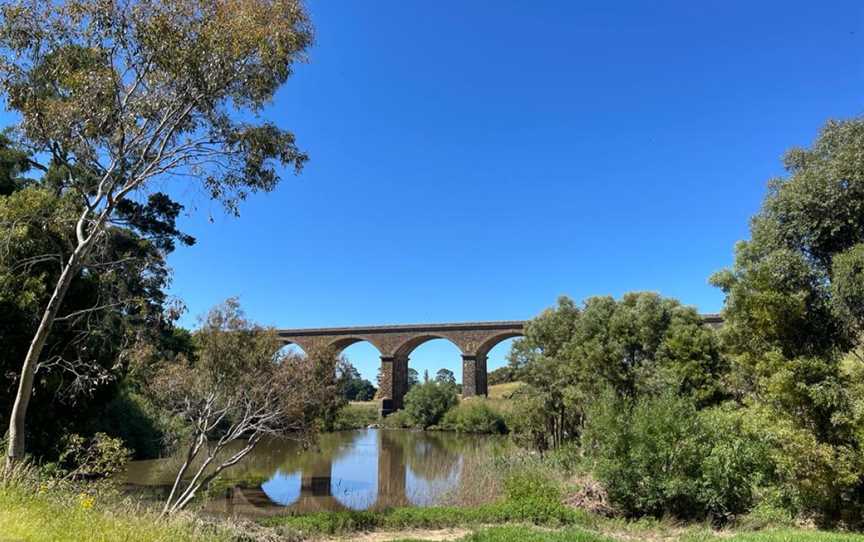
{"x":417,"y":534}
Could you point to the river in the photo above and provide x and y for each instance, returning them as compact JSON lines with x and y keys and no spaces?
{"x":356,"y":470}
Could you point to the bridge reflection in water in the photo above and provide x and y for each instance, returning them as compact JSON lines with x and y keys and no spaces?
{"x":320,"y":490}
{"x":367,"y":469}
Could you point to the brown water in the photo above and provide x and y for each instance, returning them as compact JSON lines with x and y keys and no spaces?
{"x":357,"y":470}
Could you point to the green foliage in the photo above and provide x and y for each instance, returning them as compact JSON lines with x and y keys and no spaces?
{"x":144,"y":428}
{"x":474,"y":415}
{"x":781,"y":290}
{"x":426,"y":403}
{"x":642,"y":344}
{"x":352,"y":386}
{"x":809,"y":476}
{"x":502,"y":375}
{"x":92,"y":355}
{"x":661,"y":456}
{"x":765,"y":515}
{"x":445,"y":376}
{"x":792,"y":315}
{"x":397,"y":420}
{"x":847,"y":287}
{"x":355,"y":417}
{"x":98,"y":457}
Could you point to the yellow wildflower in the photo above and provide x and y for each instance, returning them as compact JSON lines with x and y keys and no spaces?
{"x":86,"y":501}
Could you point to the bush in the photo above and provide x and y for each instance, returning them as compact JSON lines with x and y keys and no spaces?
{"x":397,"y":420}
{"x":474,"y":416}
{"x":355,"y":417}
{"x":810,"y":478}
{"x":660,"y":456}
{"x":426,"y":403}
{"x":98,"y":457}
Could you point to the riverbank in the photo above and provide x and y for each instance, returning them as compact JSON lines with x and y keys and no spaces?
{"x":535,"y":508}
{"x":484,"y":525}
{"x":532,"y":508}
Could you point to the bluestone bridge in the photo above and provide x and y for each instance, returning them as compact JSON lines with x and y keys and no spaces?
{"x":396,"y":342}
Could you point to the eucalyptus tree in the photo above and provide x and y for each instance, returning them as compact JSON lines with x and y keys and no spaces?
{"x":88,"y":356}
{"x":121,"y":96}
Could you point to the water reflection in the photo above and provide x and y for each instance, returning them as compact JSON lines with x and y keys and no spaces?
{"x":347,"y":470}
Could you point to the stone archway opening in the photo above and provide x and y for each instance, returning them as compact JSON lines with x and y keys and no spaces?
{"x":366,"y":359}
{"x":433,"y":354}
{"x":497,"y":358}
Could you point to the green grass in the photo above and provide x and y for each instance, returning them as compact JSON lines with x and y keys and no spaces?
{"x":795,"y":535}
{"x":528,"y":534}
{"x":38,"y":517}
{"x":522,"y":533}
{"x":439,"y":517}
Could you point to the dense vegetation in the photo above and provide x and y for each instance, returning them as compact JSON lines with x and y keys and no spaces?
{"x":764,"y":412}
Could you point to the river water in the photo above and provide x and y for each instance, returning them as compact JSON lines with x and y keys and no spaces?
{"x":357,"y":470}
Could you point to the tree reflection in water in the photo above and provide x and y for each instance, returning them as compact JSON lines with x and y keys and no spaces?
{"x":365,"y":469}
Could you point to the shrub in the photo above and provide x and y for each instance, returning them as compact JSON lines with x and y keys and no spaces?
{"x":355,"y":417}
{"x":810,"y":477}
{"x":98,"y":457}
{"x":426,"y":403}
{"x":397,"y":420}
{"x":474,"y":416}
{"x":660,"y":456}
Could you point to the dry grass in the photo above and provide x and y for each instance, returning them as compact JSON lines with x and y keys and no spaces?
{"x":503,"y":391}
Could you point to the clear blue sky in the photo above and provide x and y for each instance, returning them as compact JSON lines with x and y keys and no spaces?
{"x":474,"y":160}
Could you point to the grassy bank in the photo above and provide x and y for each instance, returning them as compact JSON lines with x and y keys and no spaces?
{"x":520,"y":533}
{"x":531,"y":508}
{"x":55,"y":516}
{"x":345,"y":522}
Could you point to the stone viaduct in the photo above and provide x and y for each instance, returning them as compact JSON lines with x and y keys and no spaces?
{"x":396,"y":342}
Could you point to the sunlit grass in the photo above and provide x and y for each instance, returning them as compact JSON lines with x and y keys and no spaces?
{"x":503,"y":391}
{"x":521,"y":533}
{"x":46,"y":516}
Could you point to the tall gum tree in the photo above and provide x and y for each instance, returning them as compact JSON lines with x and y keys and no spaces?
{"x":121,"y":95}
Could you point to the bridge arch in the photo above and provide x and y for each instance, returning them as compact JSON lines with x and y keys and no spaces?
{"x":493,"y":341}
{"x":341,"y":343}
{"x":293,"y":345}
{"x":406,"y":348}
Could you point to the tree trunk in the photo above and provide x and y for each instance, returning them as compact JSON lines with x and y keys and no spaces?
{"x":17,"y":421}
